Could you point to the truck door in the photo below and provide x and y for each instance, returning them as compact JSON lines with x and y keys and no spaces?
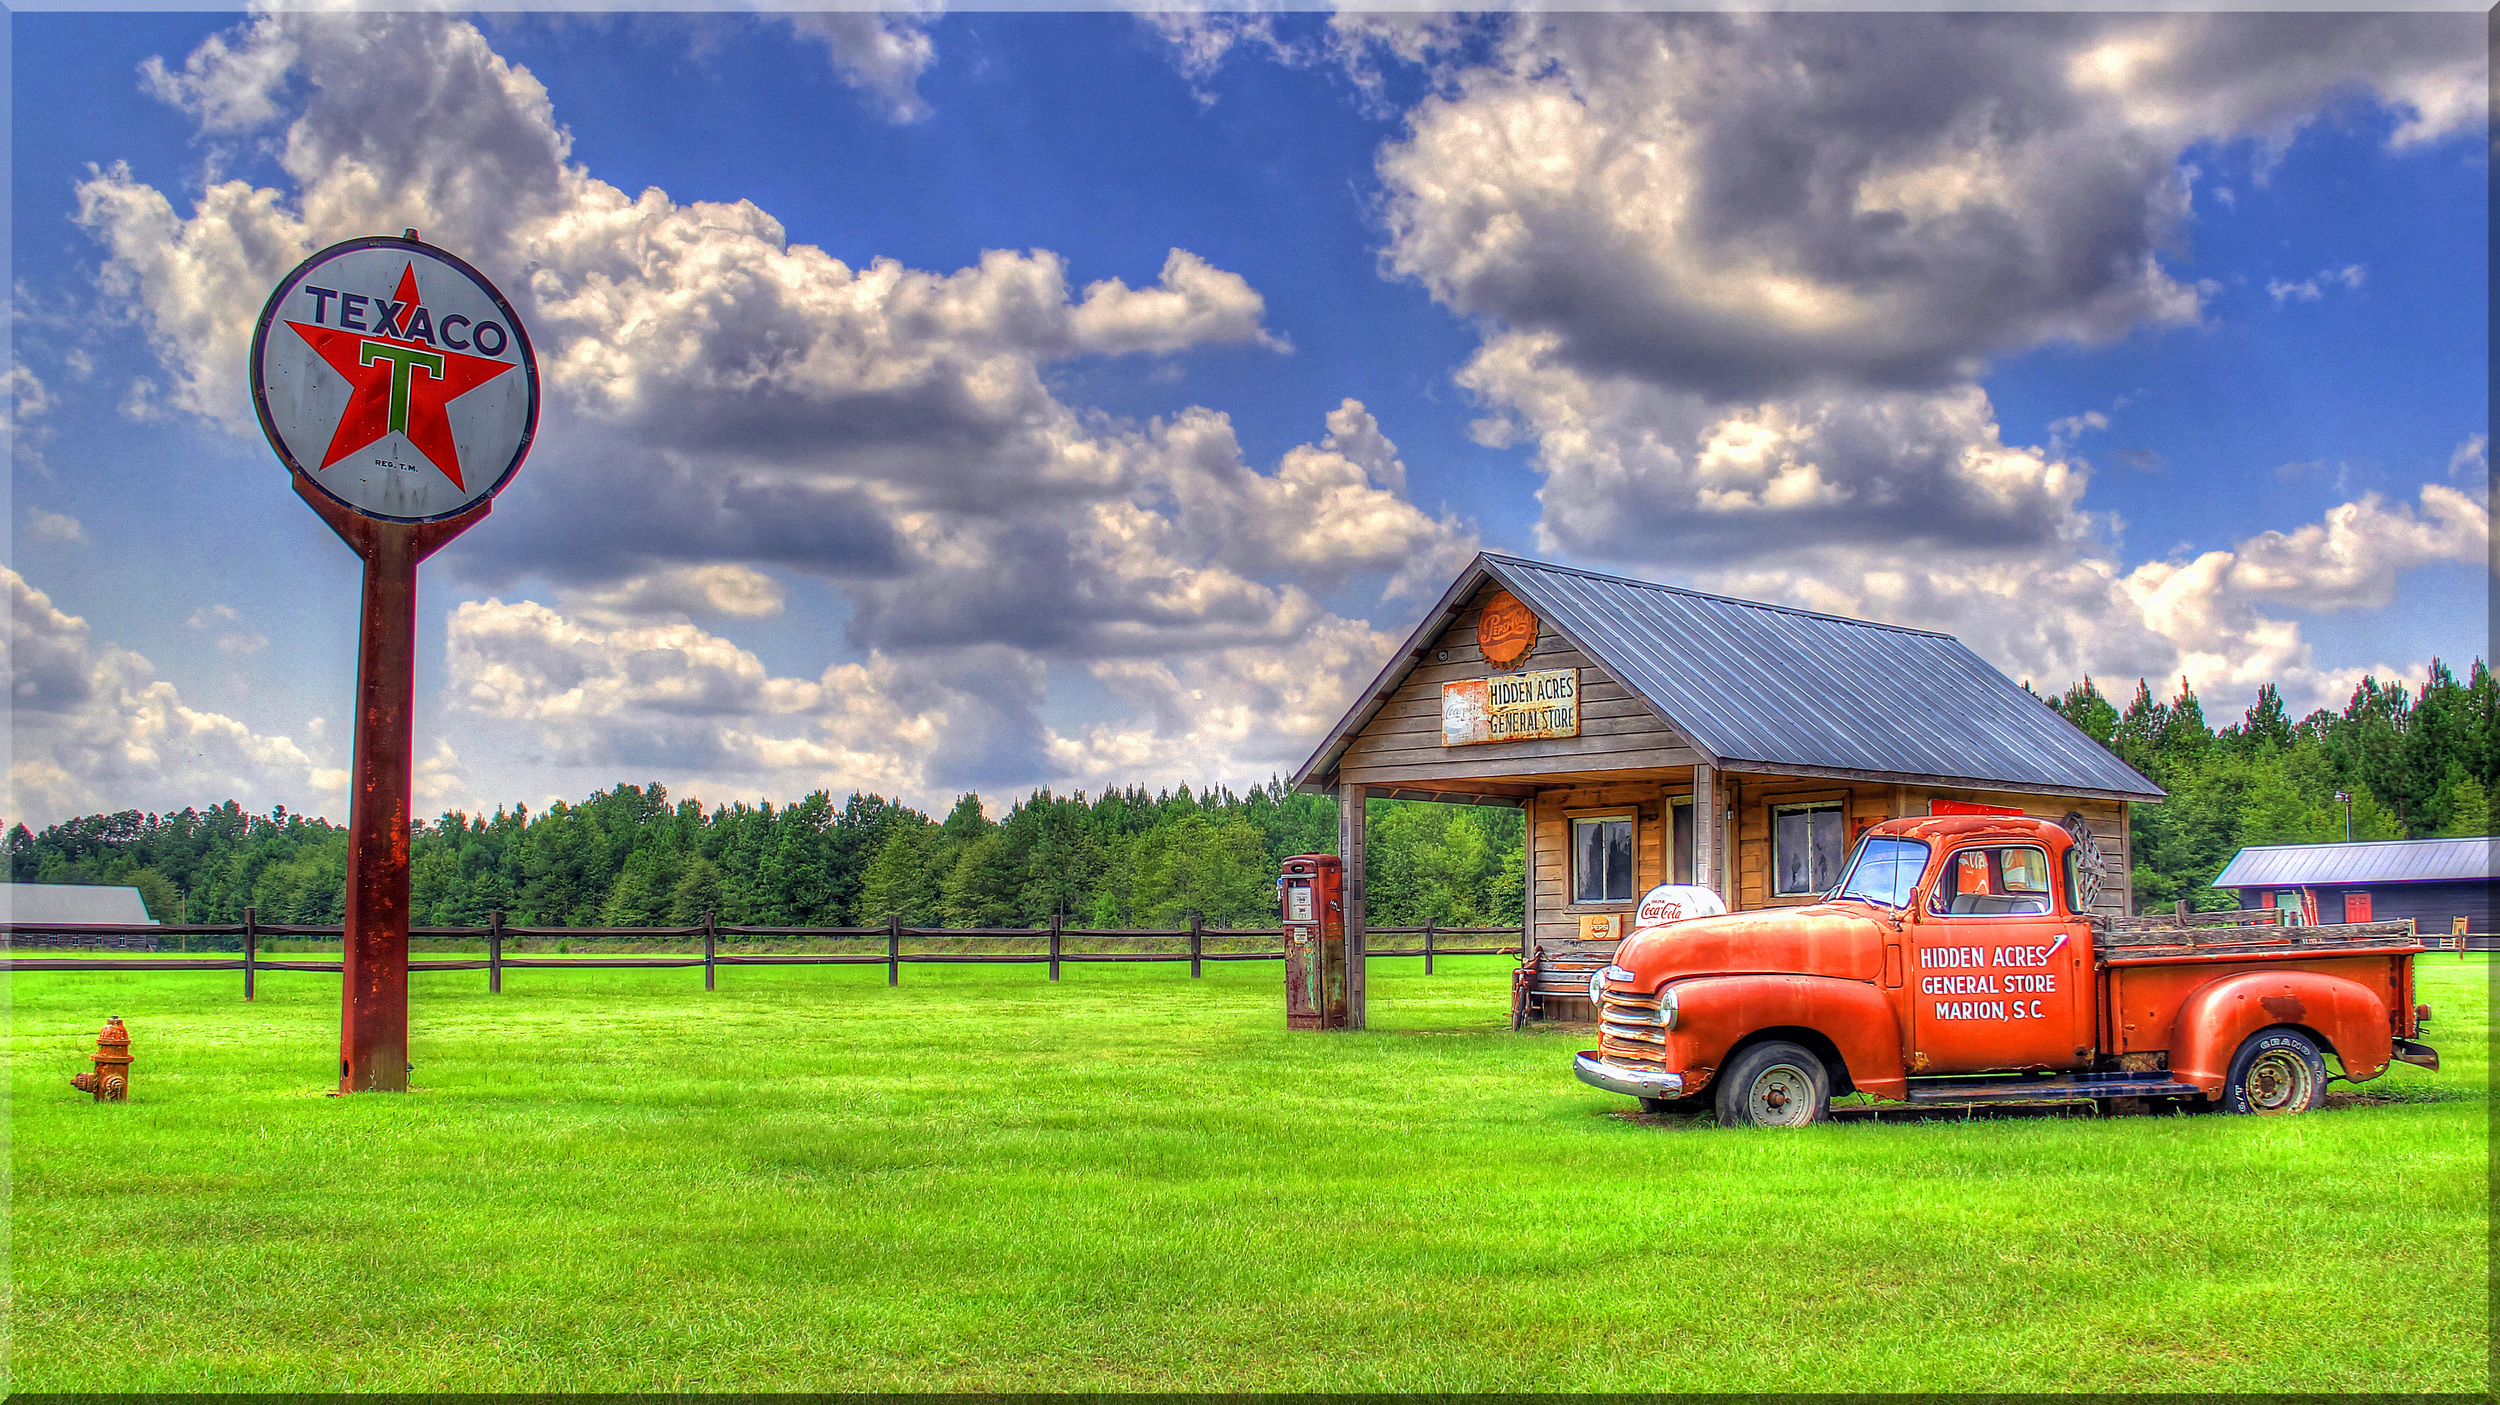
{"x":2000,"y":971}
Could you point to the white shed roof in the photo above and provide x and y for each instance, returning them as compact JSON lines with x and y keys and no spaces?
{"x":72,"y":905}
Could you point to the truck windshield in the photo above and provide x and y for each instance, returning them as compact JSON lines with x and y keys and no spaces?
{"x":1884,"y":871}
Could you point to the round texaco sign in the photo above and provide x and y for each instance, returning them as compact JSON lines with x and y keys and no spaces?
{"x":396,"y":378}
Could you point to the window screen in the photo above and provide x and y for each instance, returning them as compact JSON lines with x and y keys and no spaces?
{"x":1601,"y":861}
{"x":1681,"y":865}
{"x":1808,"y":843}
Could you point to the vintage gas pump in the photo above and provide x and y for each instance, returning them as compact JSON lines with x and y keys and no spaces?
{"x":1312,"y":891}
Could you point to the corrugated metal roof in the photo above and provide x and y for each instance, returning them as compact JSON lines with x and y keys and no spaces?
{"x":1757,"y":686}
{"x":72,"y":904}
{"x":2369,"y":861}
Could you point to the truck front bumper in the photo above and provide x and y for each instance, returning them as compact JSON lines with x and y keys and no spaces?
{"x":1625,"y":1079}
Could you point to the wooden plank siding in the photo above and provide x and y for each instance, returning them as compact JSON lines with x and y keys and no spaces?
{"x":1553,"y":917}
{"x":1553,"y":923}
{"x":1401,"y":744}
{"x":2107,"y":819}
{"x":1755,"y":797}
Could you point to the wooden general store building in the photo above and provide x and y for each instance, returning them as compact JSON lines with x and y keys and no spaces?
{"x":1661,"y":735}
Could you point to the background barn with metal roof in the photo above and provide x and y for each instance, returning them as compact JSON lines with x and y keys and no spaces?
{"x":2434,"y":883}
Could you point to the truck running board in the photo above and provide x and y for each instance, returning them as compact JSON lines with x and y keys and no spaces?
{"x":2064,"y":1088}
{"x":2419,"y":1055}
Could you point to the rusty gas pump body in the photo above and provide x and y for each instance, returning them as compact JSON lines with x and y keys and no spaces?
{"x":1312,"y":892}
{"x":110,"y":1082}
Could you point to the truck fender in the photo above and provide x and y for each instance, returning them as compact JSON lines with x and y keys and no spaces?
{"x":1716,"y":1013}
{"x":2218,"y":1016}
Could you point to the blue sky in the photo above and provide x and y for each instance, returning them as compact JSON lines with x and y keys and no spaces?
{"x":2114,"y":344}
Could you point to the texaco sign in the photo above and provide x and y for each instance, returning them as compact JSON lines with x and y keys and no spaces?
{"x":395,"y":378}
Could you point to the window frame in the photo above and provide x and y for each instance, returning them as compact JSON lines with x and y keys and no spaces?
{"x":1835,"y":802}
{"x":1628,"y":815}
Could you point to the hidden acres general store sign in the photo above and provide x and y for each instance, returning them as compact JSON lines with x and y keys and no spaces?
{"x":1516,"y":704}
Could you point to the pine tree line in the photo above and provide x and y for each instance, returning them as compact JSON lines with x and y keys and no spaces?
{"x":627,"y":857}
{"x":2412,"y":766}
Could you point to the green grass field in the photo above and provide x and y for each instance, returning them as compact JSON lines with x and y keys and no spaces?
{"x":609,"y":1180}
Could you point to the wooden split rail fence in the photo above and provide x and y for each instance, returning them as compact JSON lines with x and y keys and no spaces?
{"x":894,"y":956}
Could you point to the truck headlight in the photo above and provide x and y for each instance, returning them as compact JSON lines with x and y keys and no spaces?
{"x":1666,"y":1007}
{"x":1597,"y":986}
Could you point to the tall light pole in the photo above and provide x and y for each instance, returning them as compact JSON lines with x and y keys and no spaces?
{"x":2346,"y":797}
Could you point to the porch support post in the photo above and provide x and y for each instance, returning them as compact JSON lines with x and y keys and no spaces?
{"x":1708,"y":868}
{"x":1350,"y":854}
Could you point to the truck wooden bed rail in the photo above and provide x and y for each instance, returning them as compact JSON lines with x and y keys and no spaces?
{"x":2121,"y":939}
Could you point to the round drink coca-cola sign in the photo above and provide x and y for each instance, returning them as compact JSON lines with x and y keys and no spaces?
{"x":396,"y":378}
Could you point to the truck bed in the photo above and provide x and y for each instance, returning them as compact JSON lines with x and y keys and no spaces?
{"x":2245,"y":933}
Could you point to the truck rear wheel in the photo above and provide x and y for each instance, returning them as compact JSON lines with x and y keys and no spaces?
{"x":2277,"y":1071}
{"x":1774,"y":1085}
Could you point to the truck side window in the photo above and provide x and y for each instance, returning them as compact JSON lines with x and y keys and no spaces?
{"x":1996,"y":880}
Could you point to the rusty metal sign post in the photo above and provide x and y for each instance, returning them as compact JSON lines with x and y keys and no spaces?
{"x":383,"y":371}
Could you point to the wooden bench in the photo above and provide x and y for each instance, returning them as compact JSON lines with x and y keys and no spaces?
{"x":1557,"y":969}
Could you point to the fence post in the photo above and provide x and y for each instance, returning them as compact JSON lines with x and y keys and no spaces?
{"x":2181,"y":913}
{"x":1195,"y":945}
{"x":711,"y":948}
{"x":1057,"y":917}
{"x":251,"y":952}
{"x":494,"y":952}
{"x":1429,"y":924}
{"x":894,"y":948}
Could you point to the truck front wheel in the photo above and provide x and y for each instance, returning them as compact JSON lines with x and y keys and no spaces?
{"x":1774,"y":1085}
{"x":2276,"y":1071}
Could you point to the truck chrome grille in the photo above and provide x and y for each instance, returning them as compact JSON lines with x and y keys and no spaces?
{"x":1629,"y":1029}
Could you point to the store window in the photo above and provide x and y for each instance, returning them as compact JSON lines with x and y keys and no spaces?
{"x":1680,"y":861}
{"x":1808,"y":843}
{"x":1601,"y":859}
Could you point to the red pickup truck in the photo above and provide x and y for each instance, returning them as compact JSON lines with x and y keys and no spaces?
{"x":1956,"y":963}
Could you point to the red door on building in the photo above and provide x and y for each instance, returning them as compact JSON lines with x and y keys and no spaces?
{"x":2357,"y":907}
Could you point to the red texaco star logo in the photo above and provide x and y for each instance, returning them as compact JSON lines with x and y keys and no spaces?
{"x":402,"y":377}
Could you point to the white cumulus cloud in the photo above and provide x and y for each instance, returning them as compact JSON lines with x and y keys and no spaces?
{"x":93,"y":729}
{"x":726,"y":405}
{"x":55,"y":527}
{"x":1738,"y":277}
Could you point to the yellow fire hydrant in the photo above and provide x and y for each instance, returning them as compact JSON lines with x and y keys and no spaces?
{"x":111,"y":1080}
